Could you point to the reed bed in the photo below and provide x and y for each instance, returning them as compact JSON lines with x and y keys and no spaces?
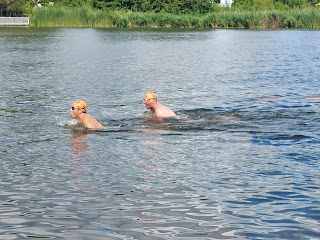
{"x":229,"y":18}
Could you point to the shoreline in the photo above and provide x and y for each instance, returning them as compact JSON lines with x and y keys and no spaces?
{"x":226,"y":19}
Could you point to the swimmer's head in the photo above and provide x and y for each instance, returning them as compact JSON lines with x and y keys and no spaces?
{"x":80,"y":105}
{"x":150,"y":96}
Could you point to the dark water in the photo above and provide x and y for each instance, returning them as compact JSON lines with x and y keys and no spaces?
{"x":239,"y":168}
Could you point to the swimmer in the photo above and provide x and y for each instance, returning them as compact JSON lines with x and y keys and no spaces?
{"x":277,"y":99}
{"x":159,"y":110}
{"x":79,"y":111}
{"x":312,"y":98}
{"x":271,"y":99}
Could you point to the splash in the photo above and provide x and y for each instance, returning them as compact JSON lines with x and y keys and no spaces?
{"x":67,"y":123}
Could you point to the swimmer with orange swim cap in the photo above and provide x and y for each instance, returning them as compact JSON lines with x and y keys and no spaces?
{"x":159,"y":110}
{"x":78,"y":111}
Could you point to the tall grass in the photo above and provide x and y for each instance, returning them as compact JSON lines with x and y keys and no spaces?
{"x":225,"y":18}
{"x":70,"y":17}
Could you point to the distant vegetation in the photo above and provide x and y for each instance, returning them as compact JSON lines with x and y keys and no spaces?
{"x":167,"y":6}
{"x":88,"y":17}
{"x":171,"y":13}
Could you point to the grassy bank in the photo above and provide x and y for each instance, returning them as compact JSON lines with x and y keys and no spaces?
{"x":228,"y":18}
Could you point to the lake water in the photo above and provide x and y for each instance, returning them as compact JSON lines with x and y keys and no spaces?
{"x":241,"y":167}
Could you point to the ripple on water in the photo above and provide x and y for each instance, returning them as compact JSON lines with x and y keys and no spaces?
{"x":241,"y":161}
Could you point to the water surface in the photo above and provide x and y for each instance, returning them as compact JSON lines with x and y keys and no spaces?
{"x":241,"y":167}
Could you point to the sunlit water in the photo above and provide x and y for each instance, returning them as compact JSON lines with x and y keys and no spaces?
{"x":241,"y":167}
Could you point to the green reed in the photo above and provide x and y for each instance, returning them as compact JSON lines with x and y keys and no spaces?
{"x":224,"y":18}
{"x":69,"y":17}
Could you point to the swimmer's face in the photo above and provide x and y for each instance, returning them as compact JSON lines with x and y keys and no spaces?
{"x":74,"y":112}
{"x":147,"y":103}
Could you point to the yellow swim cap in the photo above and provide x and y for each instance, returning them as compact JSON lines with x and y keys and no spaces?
{"x":80,"y":105}
{"x":151,"y":96}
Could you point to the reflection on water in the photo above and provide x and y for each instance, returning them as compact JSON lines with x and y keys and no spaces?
{"x":78,"y":143}
{"x":240,"y":161}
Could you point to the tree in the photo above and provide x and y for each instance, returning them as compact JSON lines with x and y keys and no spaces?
{"x":14,"y":7}
{"x":243,"y":4}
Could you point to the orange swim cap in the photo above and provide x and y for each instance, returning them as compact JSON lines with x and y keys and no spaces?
{"x":80,"y":105}
{"x":151,"y":96}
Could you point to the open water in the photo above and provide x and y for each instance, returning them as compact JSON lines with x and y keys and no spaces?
{"x":241,"y":167}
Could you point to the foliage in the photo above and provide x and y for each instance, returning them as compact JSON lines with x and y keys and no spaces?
{"x":169,"y":6}
{"x":16,"y":7}
{"x":88,"y":17}
{"x":185,"y":6}
{"x":206,"y":13}
{"x":271,"y":4}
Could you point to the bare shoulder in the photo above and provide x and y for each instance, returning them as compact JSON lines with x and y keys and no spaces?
{"x":90,"y":122}
{"x":164,"y":111}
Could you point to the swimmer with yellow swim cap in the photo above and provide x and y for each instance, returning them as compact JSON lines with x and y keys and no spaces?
{"x":78,"y":111}
{"x":159,"y":110}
